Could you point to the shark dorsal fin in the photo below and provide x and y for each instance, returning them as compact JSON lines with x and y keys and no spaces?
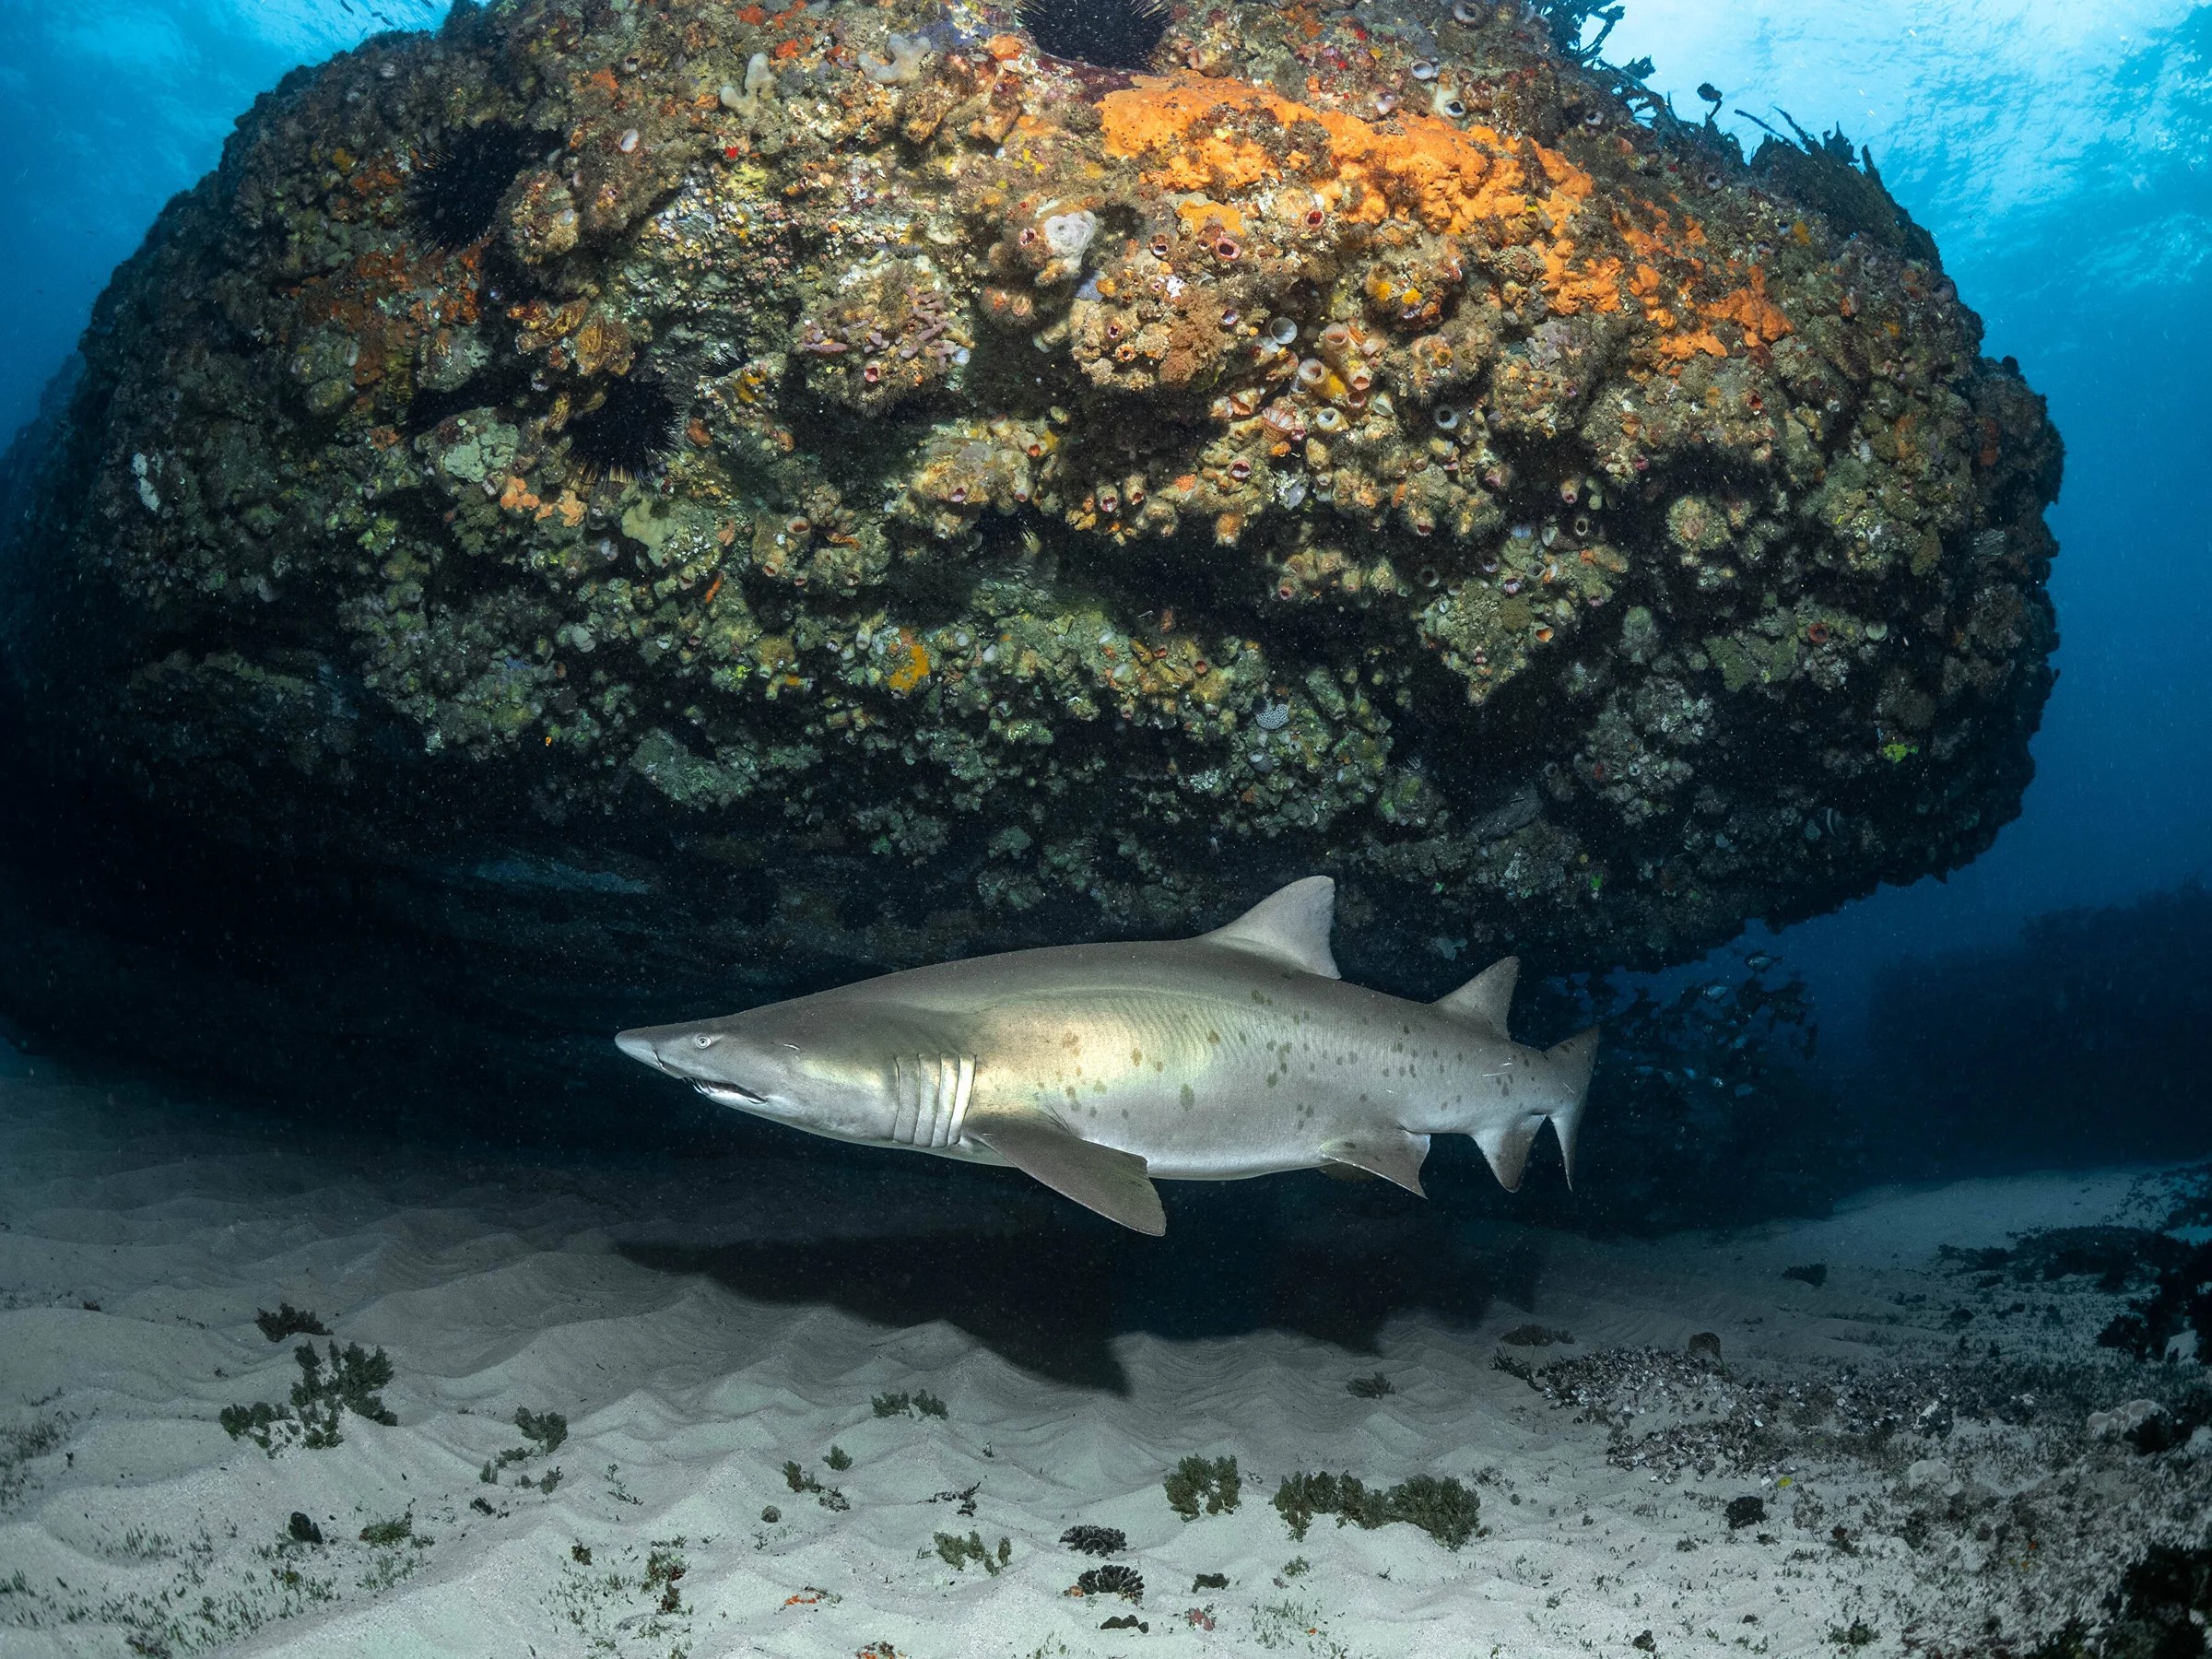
{"x":1484,"y":1000}
{"x":1291,"y":927}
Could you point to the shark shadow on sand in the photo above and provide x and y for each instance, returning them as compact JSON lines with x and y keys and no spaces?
{"x":1052,"y":1300}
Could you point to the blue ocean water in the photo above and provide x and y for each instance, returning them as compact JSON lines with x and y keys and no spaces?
{"x":2060,"y":154}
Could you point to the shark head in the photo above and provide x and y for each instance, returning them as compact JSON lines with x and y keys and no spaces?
{"x":790,"y":1063}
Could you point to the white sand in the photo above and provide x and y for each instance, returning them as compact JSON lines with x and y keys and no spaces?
{"x":131,"y":1515}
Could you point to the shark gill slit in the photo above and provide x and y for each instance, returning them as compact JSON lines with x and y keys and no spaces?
{"x":933,"y":1092}
{"x":906,"y":1089}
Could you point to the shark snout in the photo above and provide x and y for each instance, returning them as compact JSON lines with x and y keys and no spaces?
{"x":640,"y":1045}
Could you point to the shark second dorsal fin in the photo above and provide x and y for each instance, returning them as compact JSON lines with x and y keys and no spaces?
{"x":1484,"y":999}
{"x":1291,"y":927}
{"x":1099,"y":1177}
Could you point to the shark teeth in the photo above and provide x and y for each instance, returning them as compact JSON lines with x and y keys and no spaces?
{"x":729,"y":1094}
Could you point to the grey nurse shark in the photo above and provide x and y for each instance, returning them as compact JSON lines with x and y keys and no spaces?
{"x":1099,"y":1068}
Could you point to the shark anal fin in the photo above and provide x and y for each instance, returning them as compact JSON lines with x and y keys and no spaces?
{"x":1099,"y":1177}
{"x":1396,"y":1157}
{"x":1506,"y":1146}
{"x":1291,"y":927}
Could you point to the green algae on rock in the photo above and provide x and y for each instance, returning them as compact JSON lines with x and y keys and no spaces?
{"x":855,"y":499}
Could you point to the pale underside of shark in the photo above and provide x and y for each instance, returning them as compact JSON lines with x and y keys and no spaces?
{"x":1098,"y":1069}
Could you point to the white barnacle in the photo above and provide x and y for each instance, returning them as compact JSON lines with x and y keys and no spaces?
{"x":902,"y":67}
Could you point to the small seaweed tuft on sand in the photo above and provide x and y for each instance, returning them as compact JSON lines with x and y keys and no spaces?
{"x":546,"y":1431}
{"x":1513,"y":1366}
{"x":385,"y":1533}
{"x":19,"y":1446}
{"x":288,"y":1321}
{"x":603,"y":1606}
{"x":1212,"y":1483}
{"x":546,"y":1428}
{"x":664,"y":1566}
{"x":1096,"y":1540}
{"x":1442,"y":1508}
{"x":1535,"y":1335}
{"x":320,"y":1399}
{"x":920,"y":1403}
{"x":802,"y":1480}
{"x":956,"y":1551}
{"x":350,"y":1384}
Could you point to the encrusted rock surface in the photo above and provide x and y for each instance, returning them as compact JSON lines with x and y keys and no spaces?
{"x":648,"y":497}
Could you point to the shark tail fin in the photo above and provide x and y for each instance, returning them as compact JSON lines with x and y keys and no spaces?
{"x":1574,"y":1057}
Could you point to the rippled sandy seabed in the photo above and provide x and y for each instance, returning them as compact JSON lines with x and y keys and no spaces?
{"x":1916,"y":1429}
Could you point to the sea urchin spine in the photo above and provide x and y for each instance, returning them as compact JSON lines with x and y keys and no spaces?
{"x":1108,"y":34}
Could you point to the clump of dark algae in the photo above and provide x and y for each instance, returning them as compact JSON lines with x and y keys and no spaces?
{"x":860,"y":502}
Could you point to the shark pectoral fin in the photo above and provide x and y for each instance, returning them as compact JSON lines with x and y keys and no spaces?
{"x":1396,"y":1157}
{"x":1506,"y":1146}
{"x":1114,"y":1184}
{"x":1484,"y":1000}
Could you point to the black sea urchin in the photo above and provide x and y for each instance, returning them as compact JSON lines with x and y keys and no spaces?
{"x":457,"y":190}
{"x":1111,"y":34}
{"x":629,"y":432}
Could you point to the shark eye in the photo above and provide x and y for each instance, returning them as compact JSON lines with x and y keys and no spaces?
{"x":705,"y":1040}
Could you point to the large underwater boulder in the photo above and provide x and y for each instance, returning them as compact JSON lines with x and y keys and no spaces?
{"x":619,"y":507}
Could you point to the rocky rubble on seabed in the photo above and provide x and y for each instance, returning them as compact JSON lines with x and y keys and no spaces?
{"x":2054,"y":1493}
{"x":619,"y":493}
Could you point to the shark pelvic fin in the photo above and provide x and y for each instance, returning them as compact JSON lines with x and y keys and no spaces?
{"x":1099,"y":1177}
{"x":1396,"y":1158}
{"x":1291,"y":927}
{"x":1486,"y":999}
{"x":1506,"y":1146}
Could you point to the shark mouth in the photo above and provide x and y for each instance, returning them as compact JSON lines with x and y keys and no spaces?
{"x":729,"y":1094}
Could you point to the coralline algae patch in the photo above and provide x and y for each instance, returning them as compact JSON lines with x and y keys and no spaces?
{"x":836,"y":430}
